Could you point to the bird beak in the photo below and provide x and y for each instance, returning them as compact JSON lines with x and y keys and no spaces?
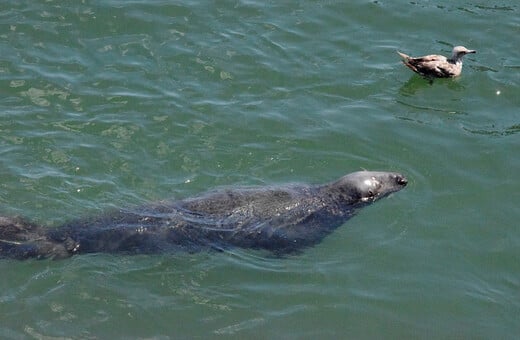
{"x":471,"y":51}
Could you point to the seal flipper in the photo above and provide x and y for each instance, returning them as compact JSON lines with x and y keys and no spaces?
{"x":21,"y":240}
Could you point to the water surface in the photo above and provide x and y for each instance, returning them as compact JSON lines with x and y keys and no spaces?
{"x":109,"y":104}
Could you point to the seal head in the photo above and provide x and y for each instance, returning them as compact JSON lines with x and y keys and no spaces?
{"x":365,"y":187}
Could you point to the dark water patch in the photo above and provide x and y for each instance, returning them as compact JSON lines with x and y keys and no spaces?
{"x":506,"y":131}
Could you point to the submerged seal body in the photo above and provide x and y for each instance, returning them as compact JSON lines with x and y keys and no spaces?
{"x":280,"y":219}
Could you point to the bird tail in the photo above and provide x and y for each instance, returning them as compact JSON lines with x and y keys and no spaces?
{"x":402,"y":55}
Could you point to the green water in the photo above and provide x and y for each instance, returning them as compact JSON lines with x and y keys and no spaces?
{"x":113,"y":103}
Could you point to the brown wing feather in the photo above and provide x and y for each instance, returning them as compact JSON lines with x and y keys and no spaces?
{"x":426,"y":65}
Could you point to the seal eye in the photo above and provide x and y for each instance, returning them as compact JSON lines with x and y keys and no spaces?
{"x":371,"y":193}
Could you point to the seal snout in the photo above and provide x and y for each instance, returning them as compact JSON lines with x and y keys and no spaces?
{"x":401,"y":180}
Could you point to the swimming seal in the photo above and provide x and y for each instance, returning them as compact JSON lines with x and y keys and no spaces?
{"x":280,"y":219}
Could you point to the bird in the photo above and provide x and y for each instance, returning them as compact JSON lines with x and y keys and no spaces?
{"x":437,"y":66}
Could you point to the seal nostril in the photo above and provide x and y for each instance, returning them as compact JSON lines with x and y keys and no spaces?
{"x":402,"y":180}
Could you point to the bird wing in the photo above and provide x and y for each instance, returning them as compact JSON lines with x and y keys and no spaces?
{"x":445,"y":71}
{"x":430,"y":65}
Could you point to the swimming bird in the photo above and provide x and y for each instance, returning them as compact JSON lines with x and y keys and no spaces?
{"x":437,"y":66}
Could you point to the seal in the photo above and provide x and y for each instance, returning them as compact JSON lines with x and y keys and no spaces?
{"x":280,"y":219}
